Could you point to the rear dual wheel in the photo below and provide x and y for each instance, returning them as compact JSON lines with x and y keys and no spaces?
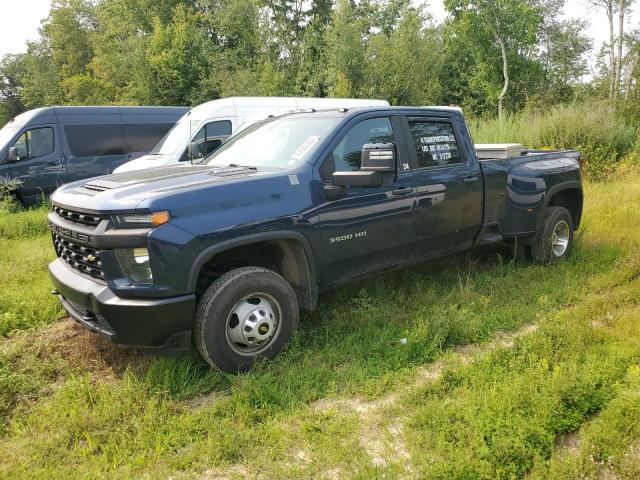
{"x":553,"y":241}
{"x":247,"y":313}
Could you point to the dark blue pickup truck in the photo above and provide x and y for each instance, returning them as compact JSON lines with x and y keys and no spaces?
{"x":227,"y":251}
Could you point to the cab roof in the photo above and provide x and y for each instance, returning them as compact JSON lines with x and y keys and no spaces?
{"x":345,"y":112}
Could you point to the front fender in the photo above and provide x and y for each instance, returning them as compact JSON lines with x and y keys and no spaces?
{"x":208,"y":253}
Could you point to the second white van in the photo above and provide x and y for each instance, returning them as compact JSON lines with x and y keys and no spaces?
{"x":209,"y":124}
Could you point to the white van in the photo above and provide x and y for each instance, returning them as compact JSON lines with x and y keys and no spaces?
{"x":211,"y":123}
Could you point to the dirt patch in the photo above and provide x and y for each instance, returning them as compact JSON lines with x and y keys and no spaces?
{"x":569,"y":442}
{"x":227,"y":473}
{"x":202,"y":401}
{"x":84,"y":351}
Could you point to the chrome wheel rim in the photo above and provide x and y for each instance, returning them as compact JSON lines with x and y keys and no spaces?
{"x":253,"y":324}
{"x":560,"y":238}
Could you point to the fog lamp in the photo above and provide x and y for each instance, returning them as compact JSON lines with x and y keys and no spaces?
{"x":135,"y":264}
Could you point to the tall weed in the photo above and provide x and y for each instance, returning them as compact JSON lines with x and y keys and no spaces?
{"x":602,"y":137}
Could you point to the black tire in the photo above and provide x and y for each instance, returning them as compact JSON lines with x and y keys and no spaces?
{"x":215,"y":313}
{"x":542,"y":248}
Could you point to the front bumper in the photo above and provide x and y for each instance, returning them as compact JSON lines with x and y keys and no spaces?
{"x":162,"y":325}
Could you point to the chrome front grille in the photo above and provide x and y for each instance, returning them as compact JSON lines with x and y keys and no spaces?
{"x":82,"y":258}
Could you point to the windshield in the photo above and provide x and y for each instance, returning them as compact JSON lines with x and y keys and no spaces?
{"x":176,"y":138}
{"x":279,"y":143}
{"x":7,"y":132}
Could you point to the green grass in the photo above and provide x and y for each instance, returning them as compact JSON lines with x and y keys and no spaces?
{"x":26,"y":300}
{"x":502,"y":414}
{"x":499,"y":416}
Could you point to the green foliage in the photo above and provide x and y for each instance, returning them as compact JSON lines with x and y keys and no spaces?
{"x":474,"y":37}
{"x":186,"y":52}
{"x":346,"y":58}
{"x":405,"y":62}
{"x":602,"y":137}
{"x":11,"y":76}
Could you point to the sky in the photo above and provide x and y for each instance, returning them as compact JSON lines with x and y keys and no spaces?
{"x":20,"y":20}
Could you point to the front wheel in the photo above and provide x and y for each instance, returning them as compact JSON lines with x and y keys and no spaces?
{"x":554,"y":240}
{"x":245,"y":314}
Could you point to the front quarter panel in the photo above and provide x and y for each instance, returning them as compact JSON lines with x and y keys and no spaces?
{"x":280,"y":202}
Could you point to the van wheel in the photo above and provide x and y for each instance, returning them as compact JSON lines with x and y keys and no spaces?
{"x":554,"y":239}
{"x":247,"y":313}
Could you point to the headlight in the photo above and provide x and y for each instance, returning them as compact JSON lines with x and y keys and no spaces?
{"x":152,"y":219}
{"x":135,"y":264}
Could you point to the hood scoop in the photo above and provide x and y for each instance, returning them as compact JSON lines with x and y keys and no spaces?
{"x":96,"y":186}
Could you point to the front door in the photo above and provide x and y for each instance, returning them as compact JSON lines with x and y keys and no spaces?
{"x":371,"y":227}
{"x":39,"y":164}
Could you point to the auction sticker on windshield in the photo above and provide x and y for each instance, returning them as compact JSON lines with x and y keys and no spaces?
{"x":303,"y":149}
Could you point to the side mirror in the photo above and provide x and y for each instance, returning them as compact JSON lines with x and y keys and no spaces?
{"x":378,"y":157}
{"x":193,"y":151}
{"x":377,"y":167}
{"x":12,"y":155}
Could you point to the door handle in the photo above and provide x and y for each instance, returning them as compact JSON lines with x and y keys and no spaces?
{"x":470,"y":179}
{"x":399,"y":192}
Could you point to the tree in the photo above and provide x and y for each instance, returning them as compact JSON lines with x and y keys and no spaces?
{"x":11,"y":74}
{"x":562,"y":51}
{"x":623,"y":6}
{"x":404,"y":61}
{"x":346,"y":59}
{"x":608,"y":7}
{"x":311,"y":76}
{"x":498,"y":34}
{"x":175,"y":54}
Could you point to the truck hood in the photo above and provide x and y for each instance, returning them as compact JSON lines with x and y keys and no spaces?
{"x":146,"y":161}
{"x":129,"y":190}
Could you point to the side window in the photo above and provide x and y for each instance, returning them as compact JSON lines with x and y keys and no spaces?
{"x":210,"y":137}
{"x":95,"y":140}
{"x":435,"y":143}
{"x":35,"y":143}
{"x":143,"y":137}
{"x":346,"y":156}
{"x":217,"y":133}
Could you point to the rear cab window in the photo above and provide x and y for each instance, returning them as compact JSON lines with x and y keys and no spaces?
{"x":434,"y":142}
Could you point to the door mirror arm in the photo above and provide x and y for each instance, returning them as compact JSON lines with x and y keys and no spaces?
{"x":334,"y":192}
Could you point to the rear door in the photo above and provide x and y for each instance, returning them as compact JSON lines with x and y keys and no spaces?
{"x":447,"y":182}
{"x":39,"y":168}
{"x":370,"y":227}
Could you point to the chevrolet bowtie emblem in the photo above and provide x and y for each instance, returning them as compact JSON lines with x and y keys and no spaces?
{"x":91,"y":258}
